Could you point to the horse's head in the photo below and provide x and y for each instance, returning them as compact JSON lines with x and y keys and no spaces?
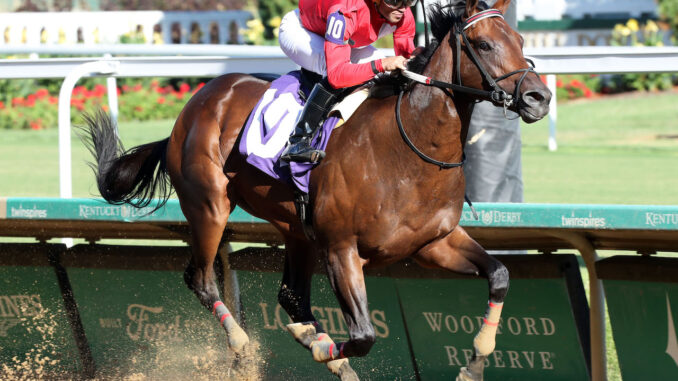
{"x":492,"y":59}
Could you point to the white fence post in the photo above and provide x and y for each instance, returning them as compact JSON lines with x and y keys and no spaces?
{"x":87,"y":69}
{"x":553,"y":112}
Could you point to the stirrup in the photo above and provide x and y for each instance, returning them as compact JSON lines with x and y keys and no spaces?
{"x":309,"y":155}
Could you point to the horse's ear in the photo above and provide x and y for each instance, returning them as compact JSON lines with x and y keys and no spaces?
{"x":458,"y":8}
{"x":480,"y":5}
{"x":501,"y":5}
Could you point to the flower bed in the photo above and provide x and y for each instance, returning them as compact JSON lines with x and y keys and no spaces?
{"x":39,"y":110}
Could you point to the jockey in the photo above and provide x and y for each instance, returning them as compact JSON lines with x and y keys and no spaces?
{"x":333,"y":39}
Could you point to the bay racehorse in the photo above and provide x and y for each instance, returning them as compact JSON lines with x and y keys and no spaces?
{"x":377,"y":197}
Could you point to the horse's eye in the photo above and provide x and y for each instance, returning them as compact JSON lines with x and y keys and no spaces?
{"x":484,"y":46}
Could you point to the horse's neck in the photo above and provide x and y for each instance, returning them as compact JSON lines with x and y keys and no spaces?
{"x":442,"y":121}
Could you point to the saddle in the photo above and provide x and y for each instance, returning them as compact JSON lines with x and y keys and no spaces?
{"x":272,"y":121}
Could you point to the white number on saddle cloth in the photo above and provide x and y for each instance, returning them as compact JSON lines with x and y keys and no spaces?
{"x":267,"y":135}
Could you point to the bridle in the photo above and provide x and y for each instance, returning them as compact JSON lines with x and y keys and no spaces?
{"x":497,"y":95}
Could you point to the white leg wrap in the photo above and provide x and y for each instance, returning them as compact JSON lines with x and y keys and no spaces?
{"x":484,"y":341}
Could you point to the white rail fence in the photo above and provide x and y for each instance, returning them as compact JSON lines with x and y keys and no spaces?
{"x":248,"y":59}
{"x":34,"y":28}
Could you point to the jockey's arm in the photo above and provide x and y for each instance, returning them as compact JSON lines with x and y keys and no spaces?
{"x":342,"y":73}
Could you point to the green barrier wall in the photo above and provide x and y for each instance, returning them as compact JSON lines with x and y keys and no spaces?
{"x":543,"y":333}
{"x":284,"y":359}
{"x":642,"y":297}
{"x":36,"y":339}
{"x":139,"y":316}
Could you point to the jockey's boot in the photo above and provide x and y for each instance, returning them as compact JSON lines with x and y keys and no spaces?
{"x":319,"y":103}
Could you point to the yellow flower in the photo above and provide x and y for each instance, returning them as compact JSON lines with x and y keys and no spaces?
{"x":659,"y":43}
{"x":275,"y":22}
{"x":625,"y":31}
{"x":632,"y":24}
{"x":651,"y":26}
{"x":62,"y":36}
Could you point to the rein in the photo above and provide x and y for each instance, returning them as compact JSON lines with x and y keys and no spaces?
{"x":496,"y":95}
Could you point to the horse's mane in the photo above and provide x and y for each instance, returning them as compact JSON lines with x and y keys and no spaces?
{"x":442,"y":18}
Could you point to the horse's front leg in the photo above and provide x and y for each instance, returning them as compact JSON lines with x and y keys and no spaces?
{"x":460,"y":253}
{"x":345,"y":272}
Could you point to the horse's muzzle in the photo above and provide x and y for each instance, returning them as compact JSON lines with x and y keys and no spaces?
{"x":534,"y":104}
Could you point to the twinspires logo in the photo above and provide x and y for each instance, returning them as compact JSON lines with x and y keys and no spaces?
{"x":27,"y":213}
{"x":583,"y":222}
{"x":456,"y":357}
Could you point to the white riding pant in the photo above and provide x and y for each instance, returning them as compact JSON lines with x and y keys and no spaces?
{"x":307,"y":49}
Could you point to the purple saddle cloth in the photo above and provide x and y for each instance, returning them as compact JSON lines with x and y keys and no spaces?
{"x":270,"y":125}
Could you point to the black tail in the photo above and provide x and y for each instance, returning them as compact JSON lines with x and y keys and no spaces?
{"x":131,"y":177}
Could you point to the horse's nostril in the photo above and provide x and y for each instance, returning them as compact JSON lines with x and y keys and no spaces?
{"x":534,"y":97}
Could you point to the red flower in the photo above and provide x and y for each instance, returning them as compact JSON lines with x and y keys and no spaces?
{"x":559,"y":83}
{"x":160,"y":90}
{"x":125,"y":88}
{"x":18,"y":101}
{"x":200,"y":86}
{"x":80,"y":90}
{"x":99,"y":90}
{"x":155,"y":83}
{"x":53,"y":100}
{"x":137,"y":87}
{"x":161,"y":100}
{"x":35,"y":125}
{"x":42,"y":93}
{"x":576,"y":83}
{"x":2,"y":105}
{"x":588,"y":93}
{"x":184,"y":87}
{"x":138,"y":108}
{"x":104,"y":107}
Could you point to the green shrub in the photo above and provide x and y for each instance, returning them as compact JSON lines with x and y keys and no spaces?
{"x":634,"y":34}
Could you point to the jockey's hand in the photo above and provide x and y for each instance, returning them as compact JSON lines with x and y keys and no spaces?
{"x":393,"y":63}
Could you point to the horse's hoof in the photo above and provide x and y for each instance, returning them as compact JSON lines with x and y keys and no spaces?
{"x":466,"y":375}
{"x":304,"y":334}
{"x":323,"y":350}
{"x":342,"y":369}
{"x":237,"y":339}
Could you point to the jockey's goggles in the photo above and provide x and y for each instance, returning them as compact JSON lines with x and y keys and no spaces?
{"x":397,"y":4}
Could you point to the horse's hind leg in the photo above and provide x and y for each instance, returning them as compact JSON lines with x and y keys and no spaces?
{"x":295,"y":298}
{"x":460,"y":253}
{"x":204,"y":201}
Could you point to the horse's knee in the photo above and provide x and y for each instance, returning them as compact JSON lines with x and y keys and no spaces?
{"x":499,"y":282}
{"x":362,"y":344}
